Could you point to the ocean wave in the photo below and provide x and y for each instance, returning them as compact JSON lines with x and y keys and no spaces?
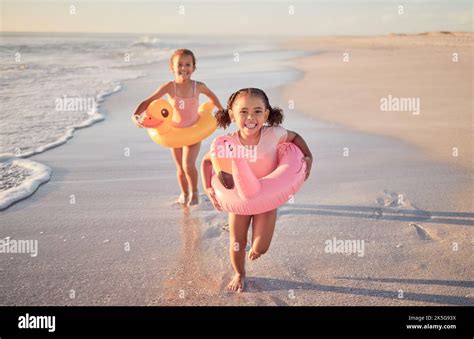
{"x":147,"y":42}
{"x":93,"y":117}
{"x":20,"y":179}
{"x":170,"y":43}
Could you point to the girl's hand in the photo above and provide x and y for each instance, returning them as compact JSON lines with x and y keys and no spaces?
{"x":212,"y":196}
{"x":137,"y":120}
{"x":309,"y":163}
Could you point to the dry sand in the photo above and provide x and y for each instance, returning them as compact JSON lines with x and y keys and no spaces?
{"x":404,"y":66}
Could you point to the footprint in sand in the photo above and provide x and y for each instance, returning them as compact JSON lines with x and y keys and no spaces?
{"x":421,"y":232}
{"x":392,"y":199}
{"x":397,"y":203}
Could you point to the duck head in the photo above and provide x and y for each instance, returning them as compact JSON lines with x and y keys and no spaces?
{"x":158,"y":116}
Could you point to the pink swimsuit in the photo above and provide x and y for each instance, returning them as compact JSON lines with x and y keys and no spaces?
{"x":266,"y":150}
{"x":185,"y":109}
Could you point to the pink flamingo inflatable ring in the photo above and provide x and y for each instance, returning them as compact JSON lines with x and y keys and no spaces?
{"x":239,"y":191}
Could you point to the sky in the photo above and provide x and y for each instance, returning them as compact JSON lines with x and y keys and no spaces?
{"x":237,"y":17}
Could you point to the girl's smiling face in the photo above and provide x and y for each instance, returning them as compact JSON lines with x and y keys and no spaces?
{"x":249,"y":113}
{"x":182,"y":67}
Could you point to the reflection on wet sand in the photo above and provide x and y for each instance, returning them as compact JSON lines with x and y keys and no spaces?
{"x":192,"y":283}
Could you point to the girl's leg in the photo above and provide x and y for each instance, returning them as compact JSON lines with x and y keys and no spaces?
{"x":263,"y":226}
{"x":238,"y":229}
{"x":177,"y":154}
{"x":190,"y":154}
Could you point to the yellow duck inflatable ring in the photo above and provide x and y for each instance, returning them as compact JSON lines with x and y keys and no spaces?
{"x":158,"y":117}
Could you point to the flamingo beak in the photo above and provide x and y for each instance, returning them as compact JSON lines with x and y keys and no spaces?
{"x":226,"y":179}
{"x":222,"y":163}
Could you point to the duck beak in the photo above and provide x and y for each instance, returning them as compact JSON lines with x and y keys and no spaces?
{"x":151,"y":122}
{"x":226,"y":179}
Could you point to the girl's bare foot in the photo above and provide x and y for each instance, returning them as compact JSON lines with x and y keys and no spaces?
{"x":194,"y":200}
{"x":182,"y":199}
{"x":253,"y":255}
{"x":236,"y":284}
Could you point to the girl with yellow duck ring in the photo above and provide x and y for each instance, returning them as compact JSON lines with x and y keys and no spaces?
{"x":183,"y":95}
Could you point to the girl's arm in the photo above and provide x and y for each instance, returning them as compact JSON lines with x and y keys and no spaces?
{"x":299,"y":141}
{"x":162,"y":90}
{"x":210,"y":94}
{"x":206,"y":171}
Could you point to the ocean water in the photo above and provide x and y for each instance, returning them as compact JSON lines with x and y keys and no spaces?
{"x":52,"y":84}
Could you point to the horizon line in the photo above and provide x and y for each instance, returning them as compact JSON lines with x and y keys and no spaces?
{"x":244,"y":35}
